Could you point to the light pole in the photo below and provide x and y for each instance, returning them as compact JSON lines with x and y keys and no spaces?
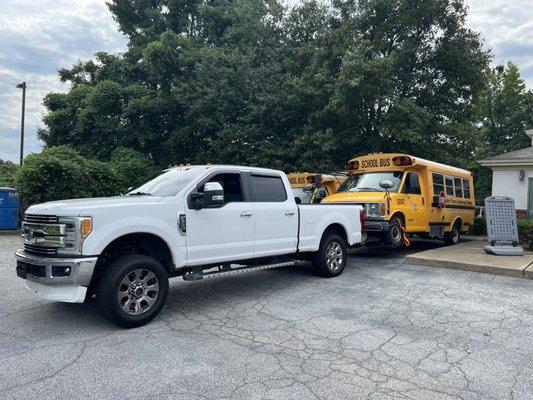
{"x":23,"y":87}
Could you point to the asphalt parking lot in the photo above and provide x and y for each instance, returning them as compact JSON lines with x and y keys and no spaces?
{"x":382,"y":330}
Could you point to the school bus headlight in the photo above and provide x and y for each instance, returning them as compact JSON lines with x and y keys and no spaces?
{"x":375,"y":210}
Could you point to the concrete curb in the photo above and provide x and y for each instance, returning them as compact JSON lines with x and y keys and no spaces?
{"x":10,"y":232}
{"x":470,"y":256}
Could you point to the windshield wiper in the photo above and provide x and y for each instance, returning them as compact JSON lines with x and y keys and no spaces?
{"x":362,"y":189}
{"x":139,"y":194}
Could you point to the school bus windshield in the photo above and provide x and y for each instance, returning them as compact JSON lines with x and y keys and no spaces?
{"x":369,"y":182}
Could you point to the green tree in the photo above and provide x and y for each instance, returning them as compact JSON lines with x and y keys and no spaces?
{"x":7,"y":173}
{"x":63,"y":173}
{"x":248,"y":81}
{"x":506,"y":111}
{"x":130,"y":169}
{"x":56,"y":173}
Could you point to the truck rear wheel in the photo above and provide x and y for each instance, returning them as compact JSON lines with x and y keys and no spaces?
{"x":330,"y":259}
{"x":132,"y":290}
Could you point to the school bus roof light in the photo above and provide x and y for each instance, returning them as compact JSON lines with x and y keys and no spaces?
{"x":352,"y":166}
{"x":402,"y":161}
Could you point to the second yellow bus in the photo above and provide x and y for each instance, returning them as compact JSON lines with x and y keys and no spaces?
{"x":403,"y":195}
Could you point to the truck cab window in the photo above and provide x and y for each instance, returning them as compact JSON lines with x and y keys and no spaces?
{"x":411,"y":184}
{"x":231,"y":183}
{"x":268,"y":188}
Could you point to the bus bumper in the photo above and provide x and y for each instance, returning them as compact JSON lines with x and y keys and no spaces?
{"x":373,"y":227}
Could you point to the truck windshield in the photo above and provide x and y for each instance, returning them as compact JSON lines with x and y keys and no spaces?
{"x":304,"y":196}
{"x":369,"y":182}
{"x":168,"y":183}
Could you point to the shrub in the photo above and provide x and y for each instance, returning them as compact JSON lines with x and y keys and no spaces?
{"x":56,"y":173}
{"x":132,"y":168}
{"x":525,"y":232}
{"x":62,"y":173}
{"x":7,"y":173}
{"x":479,"y":227}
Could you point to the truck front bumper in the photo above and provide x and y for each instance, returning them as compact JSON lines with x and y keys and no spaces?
{"x":59,"y":279}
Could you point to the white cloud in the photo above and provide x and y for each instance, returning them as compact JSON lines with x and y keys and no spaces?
{"x":507,"y":28}
{"x":37,"y":38}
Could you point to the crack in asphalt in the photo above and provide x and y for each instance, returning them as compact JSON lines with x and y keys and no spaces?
{"x":384,"y":329}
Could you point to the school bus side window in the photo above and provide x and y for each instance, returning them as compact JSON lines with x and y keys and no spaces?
{"x":438,"y":184}
{"x":411,"y":184}
{"x":458,"y":187}
{"x":449,"y":186}
{"x":466,"y":188}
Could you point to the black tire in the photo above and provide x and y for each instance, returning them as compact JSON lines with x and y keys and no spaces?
{"x":322,"y":263}
{"x":141,"y":273}
{"x":453,"y":237}
{"x":394,"y":236}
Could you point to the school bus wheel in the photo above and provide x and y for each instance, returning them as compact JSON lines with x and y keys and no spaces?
{"x":452,"y":237}
{"x":394,"y":236}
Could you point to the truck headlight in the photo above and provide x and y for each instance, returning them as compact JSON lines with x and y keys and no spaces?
{"x":375,"y":210}
{"x":76,"y":230}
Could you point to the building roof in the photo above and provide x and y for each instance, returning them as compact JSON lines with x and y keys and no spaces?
{"x":517,"y":157}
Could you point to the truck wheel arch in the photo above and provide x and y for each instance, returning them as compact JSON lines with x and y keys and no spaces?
{"x":134,"y":243}
{"x":337,"y":229}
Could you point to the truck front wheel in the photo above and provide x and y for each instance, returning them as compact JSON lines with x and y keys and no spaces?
{"x":330,"y":259}
{"x":132,"y":290}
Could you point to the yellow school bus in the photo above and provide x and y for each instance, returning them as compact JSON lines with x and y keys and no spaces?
{"x":404,"y":195}
{"x":312,"y":188}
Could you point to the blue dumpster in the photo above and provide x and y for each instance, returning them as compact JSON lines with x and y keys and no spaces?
{"x":9,"y":208}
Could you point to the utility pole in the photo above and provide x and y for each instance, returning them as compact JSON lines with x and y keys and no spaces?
{"x":23,"y":87}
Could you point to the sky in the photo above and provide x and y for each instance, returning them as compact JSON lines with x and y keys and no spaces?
{"x":38,"y":37}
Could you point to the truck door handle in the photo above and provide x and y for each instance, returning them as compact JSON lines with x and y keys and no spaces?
{"x":289,"y":212}
{"x":246,"y":214}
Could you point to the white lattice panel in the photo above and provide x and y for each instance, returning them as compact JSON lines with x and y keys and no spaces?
{"x":501,"y":219}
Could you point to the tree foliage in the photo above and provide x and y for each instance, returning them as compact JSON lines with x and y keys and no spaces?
{"x":62,"y":173}
{"x":7,"y":173}
{"x":248,"y":81}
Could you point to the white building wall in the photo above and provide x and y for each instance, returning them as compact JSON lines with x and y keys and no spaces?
{"x":505,"y":182}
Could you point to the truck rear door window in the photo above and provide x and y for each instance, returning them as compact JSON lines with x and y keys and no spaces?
{"x":268,"y":188}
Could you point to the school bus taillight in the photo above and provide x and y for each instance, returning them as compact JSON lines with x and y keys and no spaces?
{"x":402,"y":161}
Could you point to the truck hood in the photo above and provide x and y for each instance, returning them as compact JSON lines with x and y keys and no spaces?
{"x":355,"y":197}
{"x":81,"y":207}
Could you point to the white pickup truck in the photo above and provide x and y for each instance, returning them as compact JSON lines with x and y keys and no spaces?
{"x":193,"y":221}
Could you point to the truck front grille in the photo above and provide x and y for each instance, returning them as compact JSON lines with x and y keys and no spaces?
{"x":41,"y":219}
{"x":41,"y":250}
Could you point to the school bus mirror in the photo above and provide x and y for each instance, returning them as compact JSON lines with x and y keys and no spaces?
{"x":386,"y":184}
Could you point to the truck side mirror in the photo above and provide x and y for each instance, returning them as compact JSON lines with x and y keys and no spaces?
{"x":213,"y":195}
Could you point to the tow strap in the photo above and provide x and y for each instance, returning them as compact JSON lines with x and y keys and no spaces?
{"x":406,"y":240}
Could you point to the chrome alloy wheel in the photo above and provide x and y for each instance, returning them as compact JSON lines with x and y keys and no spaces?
{"x":138,"y":291}
{"x":334,"y":256}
